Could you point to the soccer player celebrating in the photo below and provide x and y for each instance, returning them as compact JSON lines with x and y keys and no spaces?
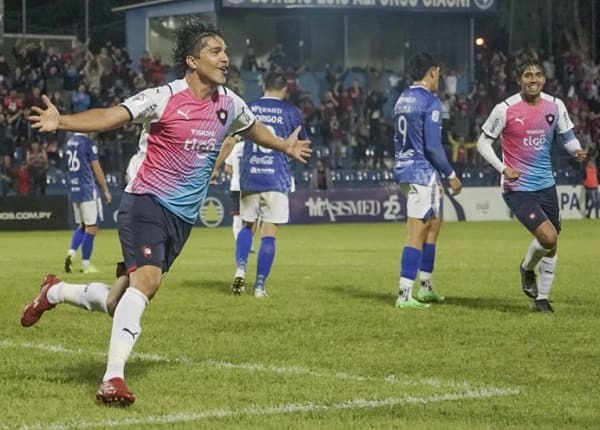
{"x":527,"y":123}
{"x":184,"y":123}
{"x":265,"y":181}
{"x":83,"y":165}
{"x":419,"y":155}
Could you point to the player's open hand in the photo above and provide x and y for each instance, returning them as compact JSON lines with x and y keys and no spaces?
{"x":581,"y":155}
{"x":44,"y":119}
{"x":511,"y":174}
{"x":298,"y":149}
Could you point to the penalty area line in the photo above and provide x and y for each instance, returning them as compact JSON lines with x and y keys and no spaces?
{"x":289,"y":408}
{"x":253,"y":367}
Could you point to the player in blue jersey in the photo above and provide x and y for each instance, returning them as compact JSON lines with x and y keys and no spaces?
{"x":527,"y":123}
{"x":83,"y":165}
{"x":419,"y":156}
{"x":184,"y":125}
{"x":265,"y":182}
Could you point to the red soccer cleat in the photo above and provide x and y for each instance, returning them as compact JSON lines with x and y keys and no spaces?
{"x":34,"y":309}
{"x":114,"y":392}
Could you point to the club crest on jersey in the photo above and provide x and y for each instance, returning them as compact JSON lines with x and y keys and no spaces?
{"x":222,"y":116}
{"x":550,"y":118}
{"x":147,"y":252}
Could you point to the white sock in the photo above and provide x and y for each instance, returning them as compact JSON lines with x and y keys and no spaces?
{"x":240,"y":273}
{"x":546,"y":271}
{"x":236,"y":226}
{"x":426,"y":281}
{"x":90,"y":296}
{"x":126,"y":330}
{"x":85,"y":264}
{"x":405,"y":288}
{"x":71,"y":253}
{"x":535,"y":252}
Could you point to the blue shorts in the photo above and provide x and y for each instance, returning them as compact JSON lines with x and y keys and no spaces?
{"x":149,"y":233}
{"x":235,"y":202}
{"x":532,"y":208}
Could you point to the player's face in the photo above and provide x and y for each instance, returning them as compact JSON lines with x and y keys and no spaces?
{"x":532,"y":82}
{"x":212,"y":62}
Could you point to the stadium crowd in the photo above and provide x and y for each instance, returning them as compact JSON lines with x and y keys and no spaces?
{"x":348,"y":120}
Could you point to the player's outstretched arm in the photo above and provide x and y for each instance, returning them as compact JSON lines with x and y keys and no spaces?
{"x":50,"y":119}
{"x":292,"y":146}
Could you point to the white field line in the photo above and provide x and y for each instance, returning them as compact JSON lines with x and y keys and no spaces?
{"x":289,"y":408}
{"x":251,"y":367}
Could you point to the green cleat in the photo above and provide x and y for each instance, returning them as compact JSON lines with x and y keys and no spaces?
{"x":410,"y":303}
{"x":429,"y":297}
{"x":90,"y":269}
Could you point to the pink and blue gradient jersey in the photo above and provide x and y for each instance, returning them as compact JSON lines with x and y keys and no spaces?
{"x":182,"y":136}
{"x":527,"y":133}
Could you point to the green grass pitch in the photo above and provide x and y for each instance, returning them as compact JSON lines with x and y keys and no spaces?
{"x":327,"y":349}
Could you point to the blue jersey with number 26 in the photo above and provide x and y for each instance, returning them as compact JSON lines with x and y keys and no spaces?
{"x":81,"y":151}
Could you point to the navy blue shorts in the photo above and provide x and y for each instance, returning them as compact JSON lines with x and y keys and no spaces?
{"x":149,"y":233}
{"x":532,"y":208}
{"x":235,"y":202}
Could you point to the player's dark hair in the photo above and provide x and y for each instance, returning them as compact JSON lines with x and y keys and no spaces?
{"x":191,"y":38}
{"x":275,"y":81}
{"x":530,"y":62}
{"x":420,"y":64}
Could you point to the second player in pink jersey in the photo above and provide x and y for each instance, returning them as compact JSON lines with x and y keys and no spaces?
{"x":527,"y":124}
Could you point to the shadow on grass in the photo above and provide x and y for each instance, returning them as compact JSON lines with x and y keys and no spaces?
{"x":207,"y":284}
{"x":492,"y":303}
{"x":350,"y":291}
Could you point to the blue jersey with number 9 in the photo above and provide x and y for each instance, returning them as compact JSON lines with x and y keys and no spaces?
{"x":418,"y":149}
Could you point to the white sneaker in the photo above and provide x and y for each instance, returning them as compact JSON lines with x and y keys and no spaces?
{"x":260,"y":293}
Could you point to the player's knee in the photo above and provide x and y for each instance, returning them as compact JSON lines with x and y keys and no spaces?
{"x":548,"y":240}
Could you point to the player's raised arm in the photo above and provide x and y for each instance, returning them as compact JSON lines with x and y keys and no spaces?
{"x":292,"y":146}
{"x":50,"y":119}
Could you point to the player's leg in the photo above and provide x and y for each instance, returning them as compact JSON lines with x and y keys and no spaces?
{"x":265,"y":258}
{"x":419,"y":212}
{"x":236,"y":225}
{"x":92,"y":213}
{"x":118,"y":288}
{"x":273,"y":210}
{"x":547,"y":235}
{"x":76,"y":238}
{"x":144,"y":230}
{"x":248,"y":212}
{"x":427,"y":293}
{"x":538,"y":212}
{"x":92,"y":297}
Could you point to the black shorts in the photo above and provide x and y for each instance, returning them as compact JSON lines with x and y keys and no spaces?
{"x":149,"y":233}
{"x":532,"y":208}
{"x":235,"y":202}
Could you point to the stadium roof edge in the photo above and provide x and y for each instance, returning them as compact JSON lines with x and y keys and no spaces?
{"x":137,"y":5}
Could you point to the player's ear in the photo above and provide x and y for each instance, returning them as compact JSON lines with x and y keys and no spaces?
{"x":191,"y":61}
